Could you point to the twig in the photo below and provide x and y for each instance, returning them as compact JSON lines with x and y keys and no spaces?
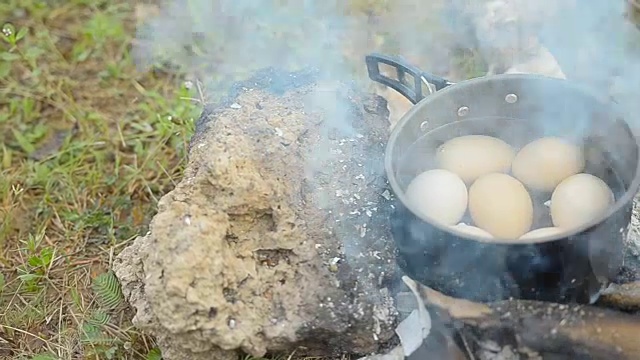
{"x":466,"y":346}
{"x":200,"y":93}
{"x":33,"y":335}
{"x":84,"y":262}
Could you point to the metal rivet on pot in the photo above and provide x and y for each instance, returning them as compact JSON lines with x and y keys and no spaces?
{"x":424,"y":126}
{"x":463,"y":111}
{"x":511,"y":98}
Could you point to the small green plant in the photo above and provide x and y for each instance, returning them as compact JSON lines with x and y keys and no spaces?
{"x":44,"y":357}
{"x":38,"y":262}
{"x":99,"y":345}
{"x":154,"y":354}
{"x":470,"y":62}
{"x":97,"y":339}
{"x":107,"y":289}
{"x":95,"y":336}
{"x":99,"y":318}
{"x":11,"y":36}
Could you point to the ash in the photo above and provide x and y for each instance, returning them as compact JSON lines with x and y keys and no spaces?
{"x":319,"y":148}
{"x":346,"y":182}
{"x":349,"y":185}
{"x":633,"y":239}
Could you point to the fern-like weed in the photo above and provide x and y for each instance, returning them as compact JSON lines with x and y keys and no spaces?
{"x":107,"y":289}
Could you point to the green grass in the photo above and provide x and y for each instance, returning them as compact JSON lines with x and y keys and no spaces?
{"x":88,"y":146}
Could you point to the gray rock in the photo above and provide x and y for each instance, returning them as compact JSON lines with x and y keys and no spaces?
{"x":277,"y":237}
{"x":395,"y":354}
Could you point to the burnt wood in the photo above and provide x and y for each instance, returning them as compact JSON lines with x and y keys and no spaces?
{"x":526,"y":329}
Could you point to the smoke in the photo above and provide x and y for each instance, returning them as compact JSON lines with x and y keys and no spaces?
{"x":223,"y":40}
{"x":592,"y":41}
{"x":220,"y":41}
{"x":600,"y":48}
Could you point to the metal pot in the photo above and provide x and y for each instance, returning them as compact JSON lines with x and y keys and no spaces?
{"x":571,"y":267}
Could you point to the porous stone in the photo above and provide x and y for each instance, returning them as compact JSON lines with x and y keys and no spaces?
{"x":277,"y":237}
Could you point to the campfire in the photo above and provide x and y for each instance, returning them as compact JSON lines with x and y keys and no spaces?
{"x":550,"y":219}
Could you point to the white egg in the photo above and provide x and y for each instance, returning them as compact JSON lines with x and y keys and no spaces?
{"x":542,"y":232}
{"x":501,"y":205}
{"x":472,"y":156}
{"x":542,"y":164}
{"x":579,"y":199}
{"x":438,"y":194}
{"x":472,"y":230}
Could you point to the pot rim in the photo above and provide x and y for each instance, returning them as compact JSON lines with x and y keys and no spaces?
{"x":624,"y":200}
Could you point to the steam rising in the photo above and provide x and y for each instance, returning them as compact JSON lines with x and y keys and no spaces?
{"x":222,"y":40}
{"x":225,"y":39}
{"x":219,"y":41}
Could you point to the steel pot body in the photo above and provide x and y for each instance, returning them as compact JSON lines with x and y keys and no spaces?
{"x":518,"y":108}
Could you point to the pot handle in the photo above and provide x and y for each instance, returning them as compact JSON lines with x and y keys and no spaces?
{"x":413,"y":92}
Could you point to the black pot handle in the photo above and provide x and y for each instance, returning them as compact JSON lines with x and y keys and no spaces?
{"x":413,"y":92}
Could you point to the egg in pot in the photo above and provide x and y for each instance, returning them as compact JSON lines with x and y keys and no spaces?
{"x":472,"y":156}
{"x":440,"y":195}
{"x":543,"y":163}
{"x":580,"y":199}
{"x":501,"y":205}
{"x":541,"y":232}
{"x":473,"y":230}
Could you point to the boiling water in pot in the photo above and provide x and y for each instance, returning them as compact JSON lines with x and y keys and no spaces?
{"x":421,"y":156}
